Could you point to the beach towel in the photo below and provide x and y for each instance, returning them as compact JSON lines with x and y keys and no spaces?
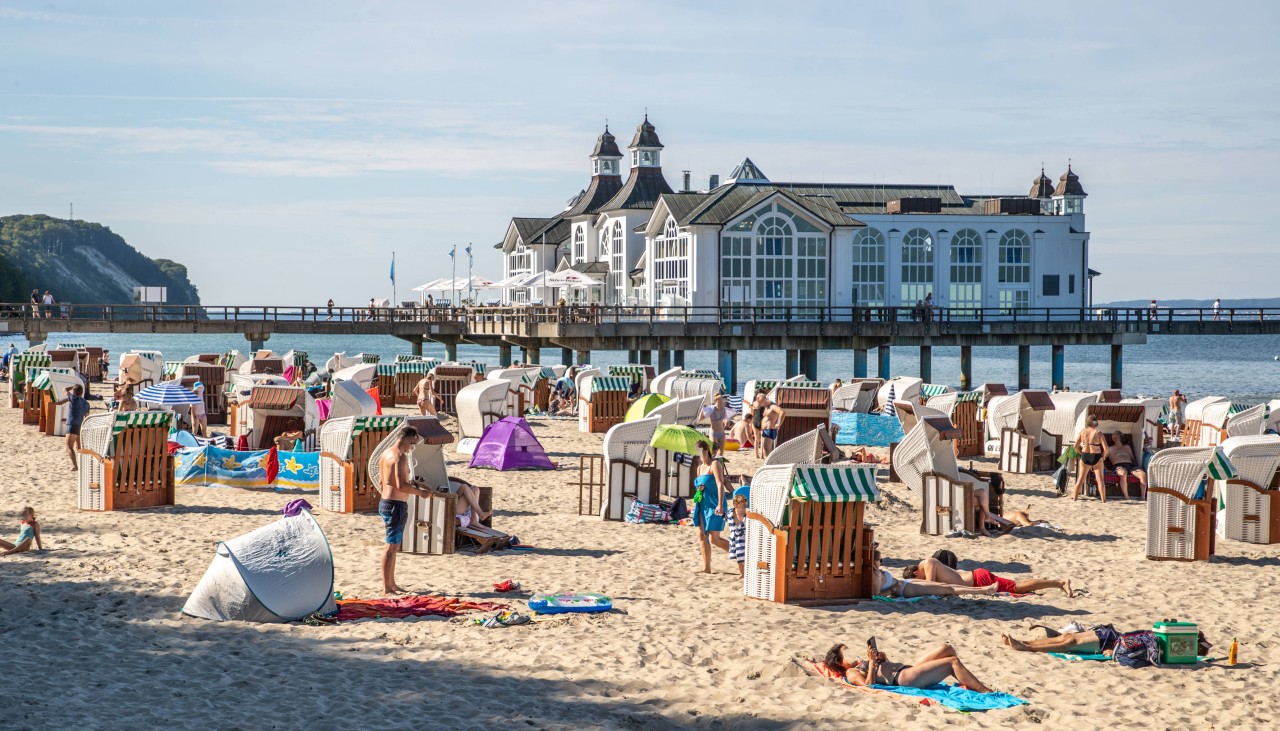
{"x":951,"y":696}
{"x":409,"y":606}
{"x":1099,"y":657}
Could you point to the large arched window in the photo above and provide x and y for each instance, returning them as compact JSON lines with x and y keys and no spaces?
{"x":1015,"y":270}
{"x":579,"y":244}
{"x":965,"y":294}
{"x":869,"y":268}
{"x":775,"y":257}
{"x":604,"y":244}
{"x":917,"y":266}
{"x":671,"y":265}
{"x":615,"y":292}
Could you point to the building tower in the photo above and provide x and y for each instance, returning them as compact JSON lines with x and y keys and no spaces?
{"x":1068,"y":197}
{"x":1042,"y":190}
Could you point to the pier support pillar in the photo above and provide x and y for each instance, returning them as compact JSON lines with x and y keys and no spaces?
{"x":926,"y":363}
{"x":1059,"y":375}
{"x":646,"y":357}
{"x":35,"y":337}
{"x":1024,"y":367}
{"x":664,"y":360}
{"x":451,"y":351}
{"x":531,"y":356}
{"x":966,"y":367}
{"x":1117,"y":366}
{"x":677,"y":358}
{"x":584,"y":357}
{"x":882,"y":355}
{"x":809,"y":364}
{"x":566,"y":357}
{"x":504,"y":356}
{"x":729,"y":370}
{"x":793,"y":363}
{"x":859,"y":362}
{"x":257,"y":341}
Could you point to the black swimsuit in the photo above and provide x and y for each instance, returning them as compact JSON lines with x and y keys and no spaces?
{"x":757,"y":417}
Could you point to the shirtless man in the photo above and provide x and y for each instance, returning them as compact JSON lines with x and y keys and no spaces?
{"x":1176,"y":402}
{"x":769,"y":426}
{"x":393,"y":472}
{"x":425,"y":394}
{"x":931,"y":569}
{"x":1100,"y":639}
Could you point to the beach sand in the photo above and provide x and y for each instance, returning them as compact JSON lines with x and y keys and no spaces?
{"x":92,"y":635}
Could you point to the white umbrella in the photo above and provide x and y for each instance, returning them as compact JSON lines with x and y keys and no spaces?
{"x":482,"y":283}
{"x":510,"y":281}
{"x":432,"y":285}
{"x":571,"y":278}
{"x":537,"y":279}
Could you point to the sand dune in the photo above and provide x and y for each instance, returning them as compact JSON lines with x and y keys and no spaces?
{"x":92,"y":634}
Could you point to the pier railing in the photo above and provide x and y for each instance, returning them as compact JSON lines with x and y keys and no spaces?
{"x":505,"y":319}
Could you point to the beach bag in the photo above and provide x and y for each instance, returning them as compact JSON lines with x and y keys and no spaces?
{"x":1060,"y":479}
{"x":679,"y":509}
{"x":1137,"y":649}
{"x":646,"y":513}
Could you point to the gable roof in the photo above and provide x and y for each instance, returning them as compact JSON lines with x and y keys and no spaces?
{"x":727,"y":202}
{"x":641,"y":191}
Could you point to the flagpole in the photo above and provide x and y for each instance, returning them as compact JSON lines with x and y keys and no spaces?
{"x":393,"y":279}
{"x":471,"y":286}
{"x":453,"y":258}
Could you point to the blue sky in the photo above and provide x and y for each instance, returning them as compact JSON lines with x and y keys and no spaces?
{"x":284,"y":150}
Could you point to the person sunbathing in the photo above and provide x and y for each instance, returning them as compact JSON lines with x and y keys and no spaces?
{"x":1119,"y":454}
{"x":889,"y":586}
{"x":931,"y":668}
{"x":740,"y":432}
{"x":931,"y":569}
{"x":28,"y":533}
{"x":865,"y":456}
{"x":1100,"y":639}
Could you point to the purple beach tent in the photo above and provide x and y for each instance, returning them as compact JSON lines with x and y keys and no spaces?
{"x":509,"y":444}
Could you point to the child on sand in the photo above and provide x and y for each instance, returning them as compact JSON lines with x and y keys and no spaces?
{"x":28,"y":532}
{"x":738,"y":532}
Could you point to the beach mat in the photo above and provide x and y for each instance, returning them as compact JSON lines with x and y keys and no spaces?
{"x":950,"y":696}
{"x":1098,"y":657}
{"x":416,"y":605}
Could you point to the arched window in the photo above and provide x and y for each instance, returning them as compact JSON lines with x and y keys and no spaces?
{"x":579,"y":244}
{"x":917,"y":266}
{"x":604,"y":244}
{"x":965,"y":292}
{"x":773,"y":256}
{"x":671,"y":265}
{"x":1015,"y":257}
{"x":868,"y":268}
{"x":615,"y":291}
{"x":669,"y":230}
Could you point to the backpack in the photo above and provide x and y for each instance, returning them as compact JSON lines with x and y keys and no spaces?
{"x":679,"y":509}
{"x":1137,"y":649}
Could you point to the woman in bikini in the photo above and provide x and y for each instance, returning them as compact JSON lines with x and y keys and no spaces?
{"x":425,"y":394}
{"x":931,"y":668}
{"x":1089,"y":445}
{"x":758,"y":406}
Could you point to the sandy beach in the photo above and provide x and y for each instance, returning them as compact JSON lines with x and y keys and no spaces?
{"x":93,"y":637}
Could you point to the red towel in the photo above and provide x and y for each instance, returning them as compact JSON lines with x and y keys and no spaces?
{"x":410,"y":606}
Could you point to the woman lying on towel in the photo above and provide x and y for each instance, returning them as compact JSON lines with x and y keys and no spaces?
{"x":931,"y":569}
{"x":931,"y":668}
{"x":28,"y":533}
{"x":887,"y":585}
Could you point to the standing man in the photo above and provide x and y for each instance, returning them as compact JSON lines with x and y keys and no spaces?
{"x":1176,"y":402}
{"x":393,"y":470}
{"x":1153,"y":311}
{"x":330,"y":307}
{"x":79,"y":408}
{"x":1217,"y":310}
{"x":35,"y":303}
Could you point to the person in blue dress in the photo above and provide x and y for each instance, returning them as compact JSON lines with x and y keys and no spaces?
{"x":711,"y":487}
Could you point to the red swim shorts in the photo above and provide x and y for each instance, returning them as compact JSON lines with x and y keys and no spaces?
{"x":982,"y":577}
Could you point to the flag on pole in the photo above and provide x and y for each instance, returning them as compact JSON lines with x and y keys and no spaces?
{"x":453,"y":251}
{"x":468,"y":249}
{"x":393,"y":267}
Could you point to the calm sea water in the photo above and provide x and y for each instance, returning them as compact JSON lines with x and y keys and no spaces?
{"x":1240,"y":367}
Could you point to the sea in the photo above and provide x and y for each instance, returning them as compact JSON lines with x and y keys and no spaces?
{"x":1244,"y":368}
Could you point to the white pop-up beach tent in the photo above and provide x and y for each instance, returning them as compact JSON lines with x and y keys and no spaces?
{"x":280,"y":572}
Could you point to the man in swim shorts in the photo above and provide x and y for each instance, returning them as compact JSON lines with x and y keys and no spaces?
{"x":931,"y":569}
{"x":1101,"y":638}
{"x":769,"y":426}
{"x":393,"y":471}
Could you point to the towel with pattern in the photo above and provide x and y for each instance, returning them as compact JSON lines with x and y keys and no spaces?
{"x":951,"y":696}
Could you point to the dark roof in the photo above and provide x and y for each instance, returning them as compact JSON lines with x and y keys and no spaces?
{"x":529,"y":227}
{"x":641,"y":190}
{"x":556,"y":230}
{"x":606,"y":145}
{"x":1069,"y":184}
{"x":747,"y":172}
{"x":1041,"y":187}
{"x":601,"y":190}
{"x":730,"y":201}
{"x":590,"y":267}
{"x":646,"y":135}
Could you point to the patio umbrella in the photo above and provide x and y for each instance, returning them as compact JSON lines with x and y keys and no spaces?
{"x":168,"y":393}
{"x":676,"y":438}
{"x":644,"y":405}
{"x":571,"y":278}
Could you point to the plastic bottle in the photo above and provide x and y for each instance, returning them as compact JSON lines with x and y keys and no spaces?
{"x":1231,"y":654}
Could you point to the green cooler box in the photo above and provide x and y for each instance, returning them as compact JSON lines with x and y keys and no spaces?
{"x":1179,"y":641}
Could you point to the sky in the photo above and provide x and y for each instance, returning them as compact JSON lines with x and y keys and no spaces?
{"x":284,"y":150}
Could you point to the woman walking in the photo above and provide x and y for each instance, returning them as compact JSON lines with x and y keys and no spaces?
{"x":710,"y":488}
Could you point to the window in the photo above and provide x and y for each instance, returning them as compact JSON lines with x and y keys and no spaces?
{"x":774,"y":256}
{"x":1071,"y":284}
{"x":603,"y":252}
{"x":671,"y":265}
{"x":1015,"y":257}
{"x":965,"y":295}
{"x":917,"y":266}
{"x":868,"y":268}
{"x":579,"y":244}
{"x":1014,"y":300}
{"x":1049,"y":288}
{"x":614,"y":292}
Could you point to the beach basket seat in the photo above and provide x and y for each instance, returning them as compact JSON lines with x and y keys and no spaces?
{"x":628,"y":475}
{"x":807,"y":542}
{"x":385,"y":382}
{"x":214,"y":378}
{"x":345,"y":446}
{"x":48,"y":386}
{"x":1249,"y":507}
{"x":94,"y":371}
{"x":1193,"y":423}
{"x":271,"y":366}
{"x":1126,"y":419}
{"x":449,"y":380}
{"x":676,"y":472}
{"x":965,"y":412}
{"x":1179,"y":508}
{"x":1025,"y":445}
{"x":408,"y":373}
{"x":605,"y":404}
{"x":1154,"y":410}
{"x":904,"y":388}
{"x":542,"y":388}
{"x":480,"y":404}
{"x":853,"y":397}
{"x":637,"y":372}
{"x":806,"y":409}
{"x":18,"y":368}
{"x":124,"y":461}
{"x":925,"y":461}
{"x":1245,"y":422}
{"x":808,"y":448}
{"x":431,"y":525}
